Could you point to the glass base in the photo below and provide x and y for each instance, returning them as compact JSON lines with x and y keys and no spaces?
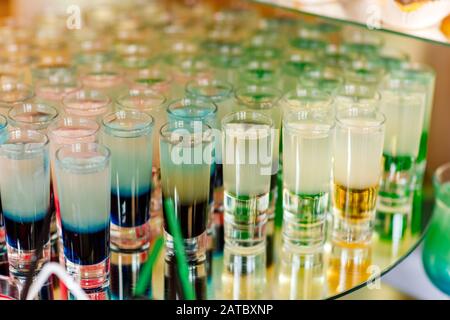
{"x":394,"y":205}
{"x":45,"y":293}
{"x":304,"y":218}
{"x":93,"y":279}
{"x":197,"y":278}
{"x":347,"y":230}
{"x":244,"y":276}
{"x":20,"y":261}
{"x":134,"y":238}
{"x":391,"y":226}
{"x":125,"y":271}
{"x":195,"y":250}
{"x":302,"y":273}
{"x":245,"y":219}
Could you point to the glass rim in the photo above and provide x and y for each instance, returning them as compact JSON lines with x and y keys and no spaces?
{"x":76,"y":148}
{"x":149,"y":70}
{"x":68,"y":121}
{"x":416,"y":67}
{"x":192,"y":102}
{"x":94,"y":93}
{"x":146,"y":127}
{"x":32,"y":146}
{"x":19,"y":86}
{"x":166,"y":128}
{"x":140,"y":92}
{"x":28,"y":107}
{"x":379,"y":116}
{"x":236,"y":115}
{"x":274,"y":92}
{"x":441,"y":171}
{"x":226,"y":88}
{"x":301,"y":94}
{"x":345,"y":93}
{"x":326,"y":118}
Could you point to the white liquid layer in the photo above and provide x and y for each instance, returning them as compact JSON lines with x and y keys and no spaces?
{"x":247,"y":166}
{"x":358,"y":154}
{"x":307,"y":158}
{"x":131,"y":163}
{"x":404,"y":123}
{"x":25,"y":187}
{"x":274,"y":113}
{"x":84,"y":198}
{"x":184,"y":177}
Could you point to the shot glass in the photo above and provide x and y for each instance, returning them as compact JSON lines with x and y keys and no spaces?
{"x":259,"y":72}
{"x":357,"y":172}
{"x":226,"y":59}
{"x":53,"y":89}
{"x":103,"y":77}
{"x":308,"y":137}
{"x":128,"y":135}
{"x":187,"y":68}
{"x":186,"y":158}
{"x":87,"y":103}
{"x":155,"y":78}
{"x":62,"y":132}
{"x":220,"y":93}
{"x":307,"y":98}
{"x":84,"y":190}
{"x":266,"y":100}
{"x":294,"y":65}
{"x":32,"y":116}
{"x":13,"y":92}
{"x":154,"y":104}
{"x":197,"y":110}
{"x":417,"y":74}
{"x":37,"y":116}
{"x":247,"y":149}
{"x":357,"y":95}
{"x":361,"y":41}
{"x":325,"y":79}
{"x":25,"y":185}
{"x":362,"y":70}
{"x":404,"y":109}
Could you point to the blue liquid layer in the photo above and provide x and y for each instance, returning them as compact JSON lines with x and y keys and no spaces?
{"x":130,"y":211}
{"x":24,"y":235}
{"x":86,"y":248}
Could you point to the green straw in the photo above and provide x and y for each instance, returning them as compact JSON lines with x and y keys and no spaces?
{"x":145,"y":276}
{"x":183,"y":268}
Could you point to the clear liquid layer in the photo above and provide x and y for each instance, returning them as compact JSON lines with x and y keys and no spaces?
{"x":307,"y":159}
{"x":247,"y":164}
{"x":404,"y":121}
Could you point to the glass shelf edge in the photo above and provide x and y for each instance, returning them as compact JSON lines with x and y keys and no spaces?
{"x":414,"y":34}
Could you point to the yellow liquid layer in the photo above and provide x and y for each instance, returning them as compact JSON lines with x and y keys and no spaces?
{"x":354,"y":204}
